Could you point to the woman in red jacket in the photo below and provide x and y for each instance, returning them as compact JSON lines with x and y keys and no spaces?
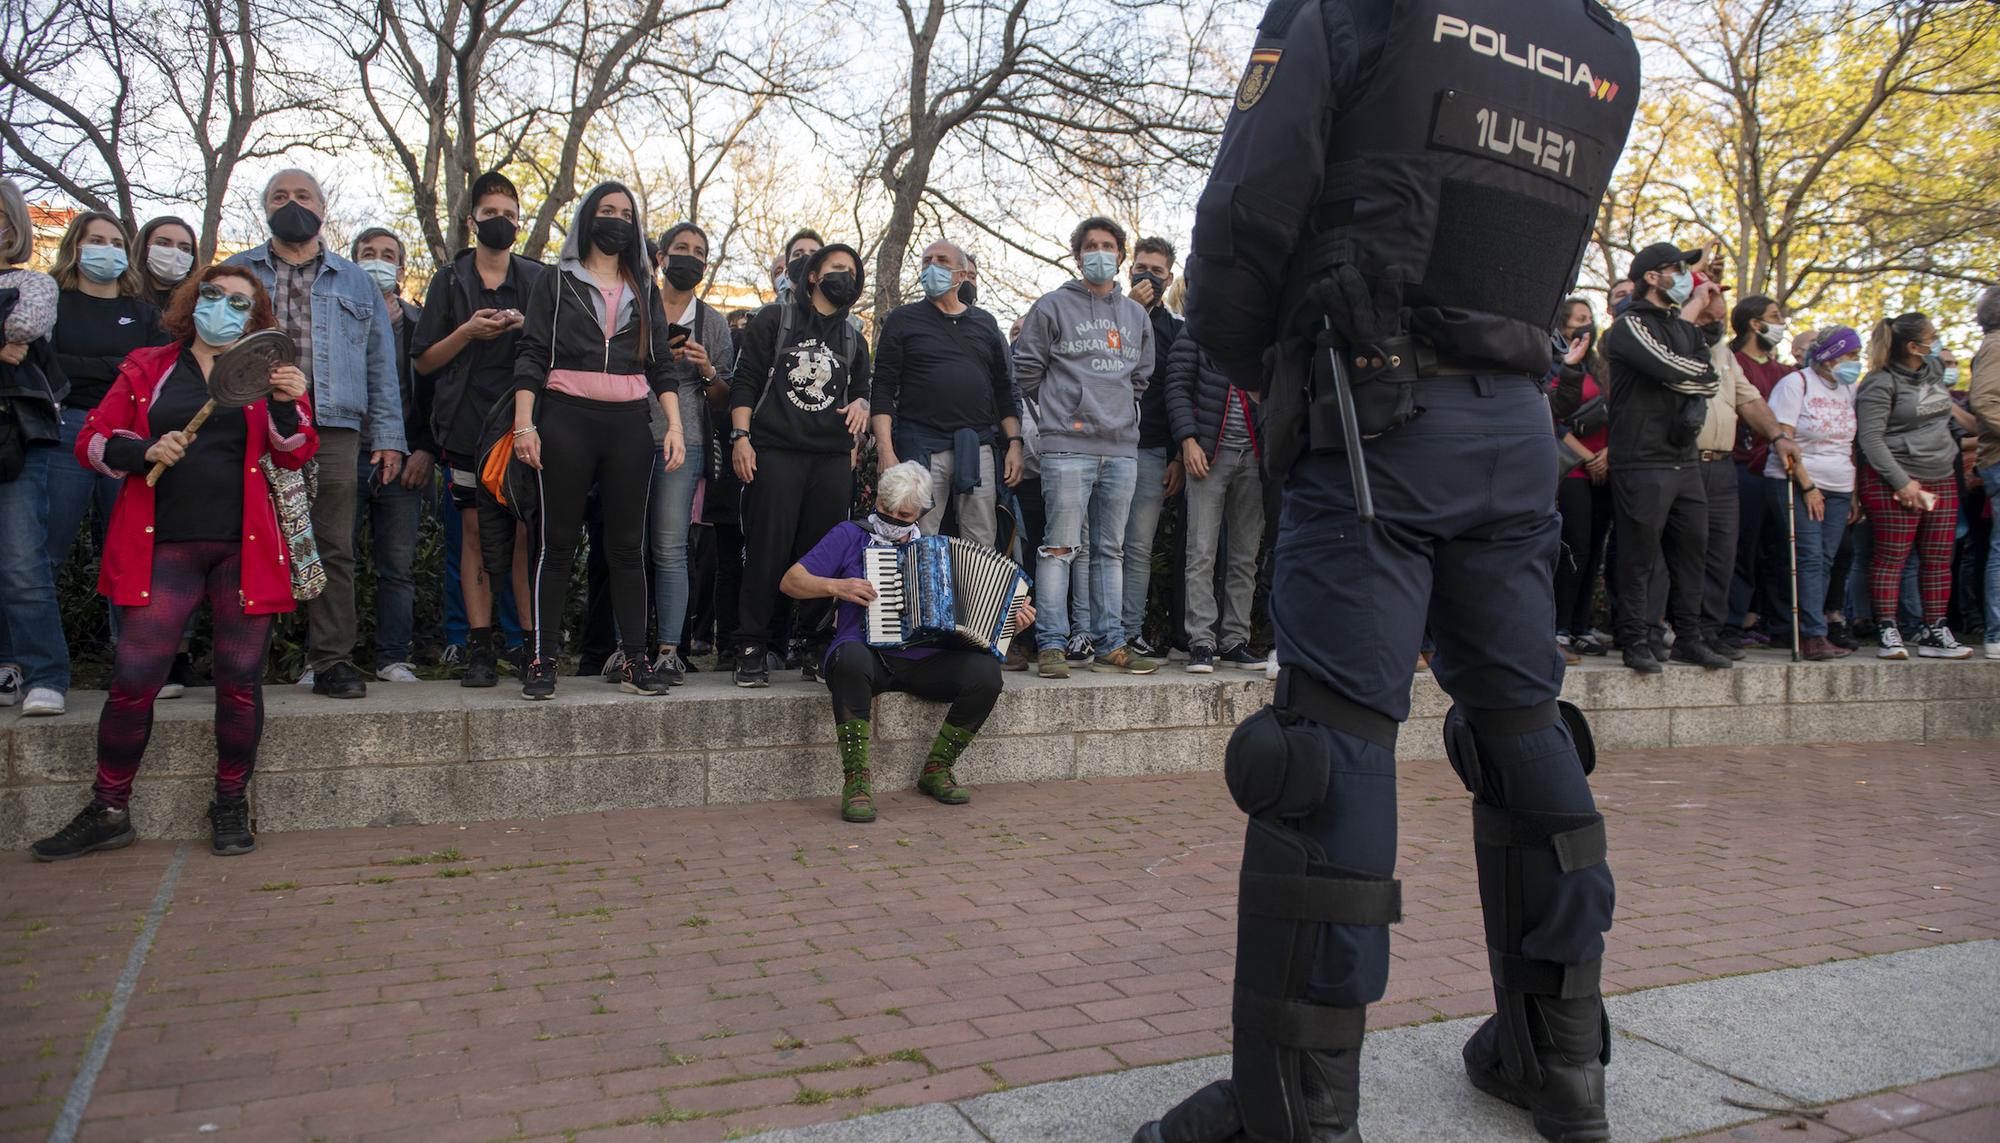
{"x":208,"y":530}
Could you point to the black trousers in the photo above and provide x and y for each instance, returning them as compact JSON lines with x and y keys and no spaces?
{"x":1660,"y":512}
{"x":1586,"y":517}
{"x":795,"y":501}
{"x":968,"y":680}
{"x":608,"y":446}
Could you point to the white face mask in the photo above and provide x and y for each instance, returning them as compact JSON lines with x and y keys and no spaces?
{"x":169,"y":263}
{"x":1774,"y":334}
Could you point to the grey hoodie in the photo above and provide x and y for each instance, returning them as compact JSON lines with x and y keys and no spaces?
{"x":1084,"y":360}
{"x":1903,"y":424}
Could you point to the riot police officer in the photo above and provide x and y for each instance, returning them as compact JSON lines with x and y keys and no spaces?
{"x":1403,"y":194}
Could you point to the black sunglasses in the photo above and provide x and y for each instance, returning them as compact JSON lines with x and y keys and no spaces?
{"x":209,"y":292}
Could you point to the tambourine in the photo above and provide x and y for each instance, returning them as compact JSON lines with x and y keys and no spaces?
{"x":240,"y":376}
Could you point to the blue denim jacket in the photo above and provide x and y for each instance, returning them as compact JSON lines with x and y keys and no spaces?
{"x":355,"y":384}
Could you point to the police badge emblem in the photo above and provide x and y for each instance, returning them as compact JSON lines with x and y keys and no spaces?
{"x":1257,"y":77}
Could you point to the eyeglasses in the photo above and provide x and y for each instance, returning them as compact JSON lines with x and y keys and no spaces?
{"x":210,"y":292}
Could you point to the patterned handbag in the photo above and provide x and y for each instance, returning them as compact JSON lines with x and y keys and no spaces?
{"x":292,"y":494}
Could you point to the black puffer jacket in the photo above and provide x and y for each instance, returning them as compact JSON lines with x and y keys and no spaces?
{"x":1198,"y":395}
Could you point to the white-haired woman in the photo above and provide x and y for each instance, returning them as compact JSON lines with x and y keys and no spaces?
{"x":855,"y":672}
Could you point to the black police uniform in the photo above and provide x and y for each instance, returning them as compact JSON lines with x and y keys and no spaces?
{"x":1409,"y":186}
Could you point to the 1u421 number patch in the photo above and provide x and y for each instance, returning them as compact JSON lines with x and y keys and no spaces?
{"x":1257,"y":77}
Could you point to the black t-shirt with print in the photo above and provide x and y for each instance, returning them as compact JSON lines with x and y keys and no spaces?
{"x":797,"y":391}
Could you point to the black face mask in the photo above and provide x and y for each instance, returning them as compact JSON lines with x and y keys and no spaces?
{"x":294,"y":223}
{"x":685,"y":271}
{"x":968,"y":292}
{"x":840,"y":288}
{"x":1159,"y":287}
{"x":612,"y":235}
{"x":497,"y":233}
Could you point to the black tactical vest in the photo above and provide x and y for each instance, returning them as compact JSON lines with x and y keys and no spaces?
{"x":1469,"y":171}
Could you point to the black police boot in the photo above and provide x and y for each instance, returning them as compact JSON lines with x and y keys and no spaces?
{"x":1568,"y":1038}
{"x":482,"y":658}
{"x":1329,"y":1081}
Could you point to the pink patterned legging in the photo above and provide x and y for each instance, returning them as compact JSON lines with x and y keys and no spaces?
{"x":183,"y":575}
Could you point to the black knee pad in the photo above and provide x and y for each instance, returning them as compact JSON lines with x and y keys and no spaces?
{"x":1276,"y":766}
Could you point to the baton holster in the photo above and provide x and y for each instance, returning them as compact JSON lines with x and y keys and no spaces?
{"x":1381,"y":374}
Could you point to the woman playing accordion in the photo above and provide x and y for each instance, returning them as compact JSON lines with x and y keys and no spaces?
{"x":855,"y":672}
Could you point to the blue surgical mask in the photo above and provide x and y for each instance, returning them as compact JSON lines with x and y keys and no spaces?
{"x":936,"y":280}
{"x":1099,"y":266}
{"x":1847,"y":372}
{"x":1951,"y":377}
{"x":217,"y":322}
{"x":1682,"y":287}
{"x":384,"y":273}
{"x":102,"y":263}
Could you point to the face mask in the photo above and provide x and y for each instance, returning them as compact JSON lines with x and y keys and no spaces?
{"x":968,"y":292}
{"x":1847,"y":372}
{"x":384,"y":273}
{"x":102,"y":263}
{"x":892,"y":531}
{"x":1099,"y":266}
{"x":839,"y":288}
{"x":168,"y":263}
{"x":217,"y":322}
{"x":936,"y":280}
{"x":782,"y":286}
{"x":497,"y":233}
{"x":294,"y":223}
{"x":1682,"y":287}
{"x":611,"y":235}
{"x":1159,"y":286}
{"x":1951,"y":377}
{"x":685,"y":271}
{"x":1772,"y":335}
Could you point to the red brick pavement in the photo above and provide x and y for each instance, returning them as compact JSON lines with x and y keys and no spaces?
{"x":1957,"y":1109}
{"x":702,"y":972}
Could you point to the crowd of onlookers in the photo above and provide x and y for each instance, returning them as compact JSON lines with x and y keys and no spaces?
{"x":1739,"y":483}
{"x":1744,"y":483}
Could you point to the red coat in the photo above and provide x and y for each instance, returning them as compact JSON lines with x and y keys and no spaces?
{"x":125,"y":575}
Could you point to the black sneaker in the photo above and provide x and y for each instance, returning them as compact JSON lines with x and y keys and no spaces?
{"x":670,"y":668}
{"x":613,"y":671}
{"x":1201,"y":660}
{"x":1659,"y":649}
{"x":809,"y":670}
{"x":1840,"y":635}
{"x":1144,"y":648}
{"x":1081,"y":649}
{"x":538,"y":681}
{"x":482,"y":659}
{"x":636,"y":676}
{"x":97,"y":827}
{"x":1639,"y":657}
{"x":1699,"y":654}
{"x":229,"y":827}
{"x":752,"y":669}
{"x":1241,"y":656}
{"x":341,"y":681}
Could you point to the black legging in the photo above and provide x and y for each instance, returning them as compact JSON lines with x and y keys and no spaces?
{"x":968,"y":680}
{"x":793,"y":503}
{"x":607,"y":445}
{"x":1586,"y":520}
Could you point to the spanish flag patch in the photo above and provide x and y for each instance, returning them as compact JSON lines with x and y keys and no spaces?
{"x":1257,"y":76}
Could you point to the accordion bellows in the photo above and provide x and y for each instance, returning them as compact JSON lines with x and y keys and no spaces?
{"x":942,"y":591}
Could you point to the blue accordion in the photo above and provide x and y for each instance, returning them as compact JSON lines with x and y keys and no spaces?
{"x":942,"y":591}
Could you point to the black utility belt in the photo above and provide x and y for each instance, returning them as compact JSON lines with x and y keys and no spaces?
{"x":1406,"y":358}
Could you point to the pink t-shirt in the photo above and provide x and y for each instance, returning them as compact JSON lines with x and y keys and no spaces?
{"x":602,"y":386}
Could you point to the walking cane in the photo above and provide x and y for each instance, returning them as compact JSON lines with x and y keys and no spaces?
{"x":240,"y":376}
{"x":1792,"y":541}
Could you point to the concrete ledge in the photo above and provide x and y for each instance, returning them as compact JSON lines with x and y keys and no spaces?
{"x":435,"y":752}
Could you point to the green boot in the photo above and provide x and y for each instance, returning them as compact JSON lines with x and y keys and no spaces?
{"x":857,"y":797}
{"x":937,"y":779}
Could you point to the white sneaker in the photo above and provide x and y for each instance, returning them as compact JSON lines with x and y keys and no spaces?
{"x":1937,"y":643}
{"x":171,"y":690}
{"x":1992,"y":652}
{"x":398,"y":673}
{"x":1892,"y":644}
{"x":306,"y":680}
{"x":43,"y":701}
{"x":11,"y":681}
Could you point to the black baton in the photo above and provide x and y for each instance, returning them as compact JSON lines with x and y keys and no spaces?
{"x":1350,"y":433}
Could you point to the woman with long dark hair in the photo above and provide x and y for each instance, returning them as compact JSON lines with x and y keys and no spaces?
{"x":166,"y":254}
{"x":1904,"y":412}
{"x":208,"y":532}
{"x":594,"y":363}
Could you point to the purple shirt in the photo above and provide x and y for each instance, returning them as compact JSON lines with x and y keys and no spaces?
{"x":838,"y":556}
